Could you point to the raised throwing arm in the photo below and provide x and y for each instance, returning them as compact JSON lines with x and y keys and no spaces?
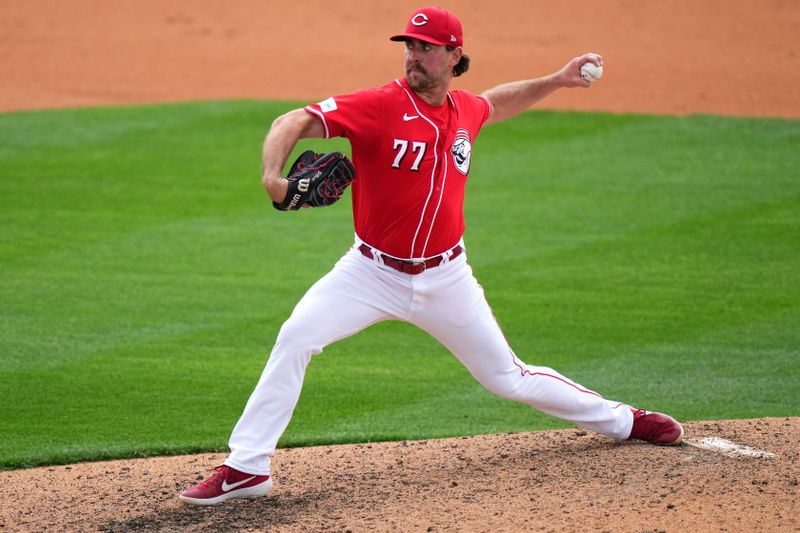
{"x":510,"y":99}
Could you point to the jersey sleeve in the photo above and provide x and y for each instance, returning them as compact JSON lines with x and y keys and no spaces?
{"x":486,"y":110}
{"x":354,"y":115}
{"x":476,"y":108}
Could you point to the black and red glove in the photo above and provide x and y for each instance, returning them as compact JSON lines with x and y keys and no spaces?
{"x":317,"y":179}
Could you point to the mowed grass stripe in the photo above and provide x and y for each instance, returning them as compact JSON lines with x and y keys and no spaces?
{"x":145,"y":276}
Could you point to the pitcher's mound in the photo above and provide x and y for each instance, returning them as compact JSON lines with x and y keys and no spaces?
{"x":729,"y":476}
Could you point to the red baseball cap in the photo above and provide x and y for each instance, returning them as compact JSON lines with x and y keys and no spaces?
{"x":433,"y":25}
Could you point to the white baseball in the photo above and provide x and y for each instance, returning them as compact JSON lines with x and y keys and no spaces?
{"x":591,"y":72}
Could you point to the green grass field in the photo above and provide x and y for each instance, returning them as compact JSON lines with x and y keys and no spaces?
{"x":144,"y":276}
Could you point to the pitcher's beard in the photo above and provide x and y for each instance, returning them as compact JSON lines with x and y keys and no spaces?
{"x":420,"y":81}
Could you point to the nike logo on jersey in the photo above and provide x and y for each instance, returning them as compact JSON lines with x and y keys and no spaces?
{"x":226,"y":487}
{"x":407,"y":118}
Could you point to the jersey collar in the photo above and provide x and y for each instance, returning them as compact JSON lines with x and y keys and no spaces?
{"x":431,"y":108}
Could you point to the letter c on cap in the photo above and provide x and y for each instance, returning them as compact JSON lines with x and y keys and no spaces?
{"x":420,"y":19}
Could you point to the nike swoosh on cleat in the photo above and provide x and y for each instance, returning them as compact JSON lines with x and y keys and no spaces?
{"x":407,"y":118}
{"x":226,"y":487}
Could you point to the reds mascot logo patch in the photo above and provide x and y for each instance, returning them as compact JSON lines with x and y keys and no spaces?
{"x":462,"y":151}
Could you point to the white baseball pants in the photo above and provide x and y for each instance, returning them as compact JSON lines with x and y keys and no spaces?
{"x":447,"y":302}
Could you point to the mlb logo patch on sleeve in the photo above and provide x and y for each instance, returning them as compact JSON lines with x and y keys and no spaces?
{"x":328,"y":105}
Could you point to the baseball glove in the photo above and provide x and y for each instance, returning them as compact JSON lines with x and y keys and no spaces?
{"x":317,"y":180}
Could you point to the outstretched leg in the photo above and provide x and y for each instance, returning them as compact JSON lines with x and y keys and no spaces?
{"x":454,"y":310}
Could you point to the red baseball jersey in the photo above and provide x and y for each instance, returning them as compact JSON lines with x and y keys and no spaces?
{"x":412,"y":161}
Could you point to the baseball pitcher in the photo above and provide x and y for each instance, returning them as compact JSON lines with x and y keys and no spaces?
{"x":412,"y":145}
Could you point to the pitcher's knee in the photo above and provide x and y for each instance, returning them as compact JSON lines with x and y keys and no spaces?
{"x":293,"y":338}
{"x":509,"y":389}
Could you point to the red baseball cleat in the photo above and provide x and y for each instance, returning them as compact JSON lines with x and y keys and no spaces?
{"x":656,"y":428}
{"x":227,"y":483}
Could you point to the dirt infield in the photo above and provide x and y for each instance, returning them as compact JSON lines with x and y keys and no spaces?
{"x":565,"y":480}
{"x":678,"y":56}
{"x":736,"y":57}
